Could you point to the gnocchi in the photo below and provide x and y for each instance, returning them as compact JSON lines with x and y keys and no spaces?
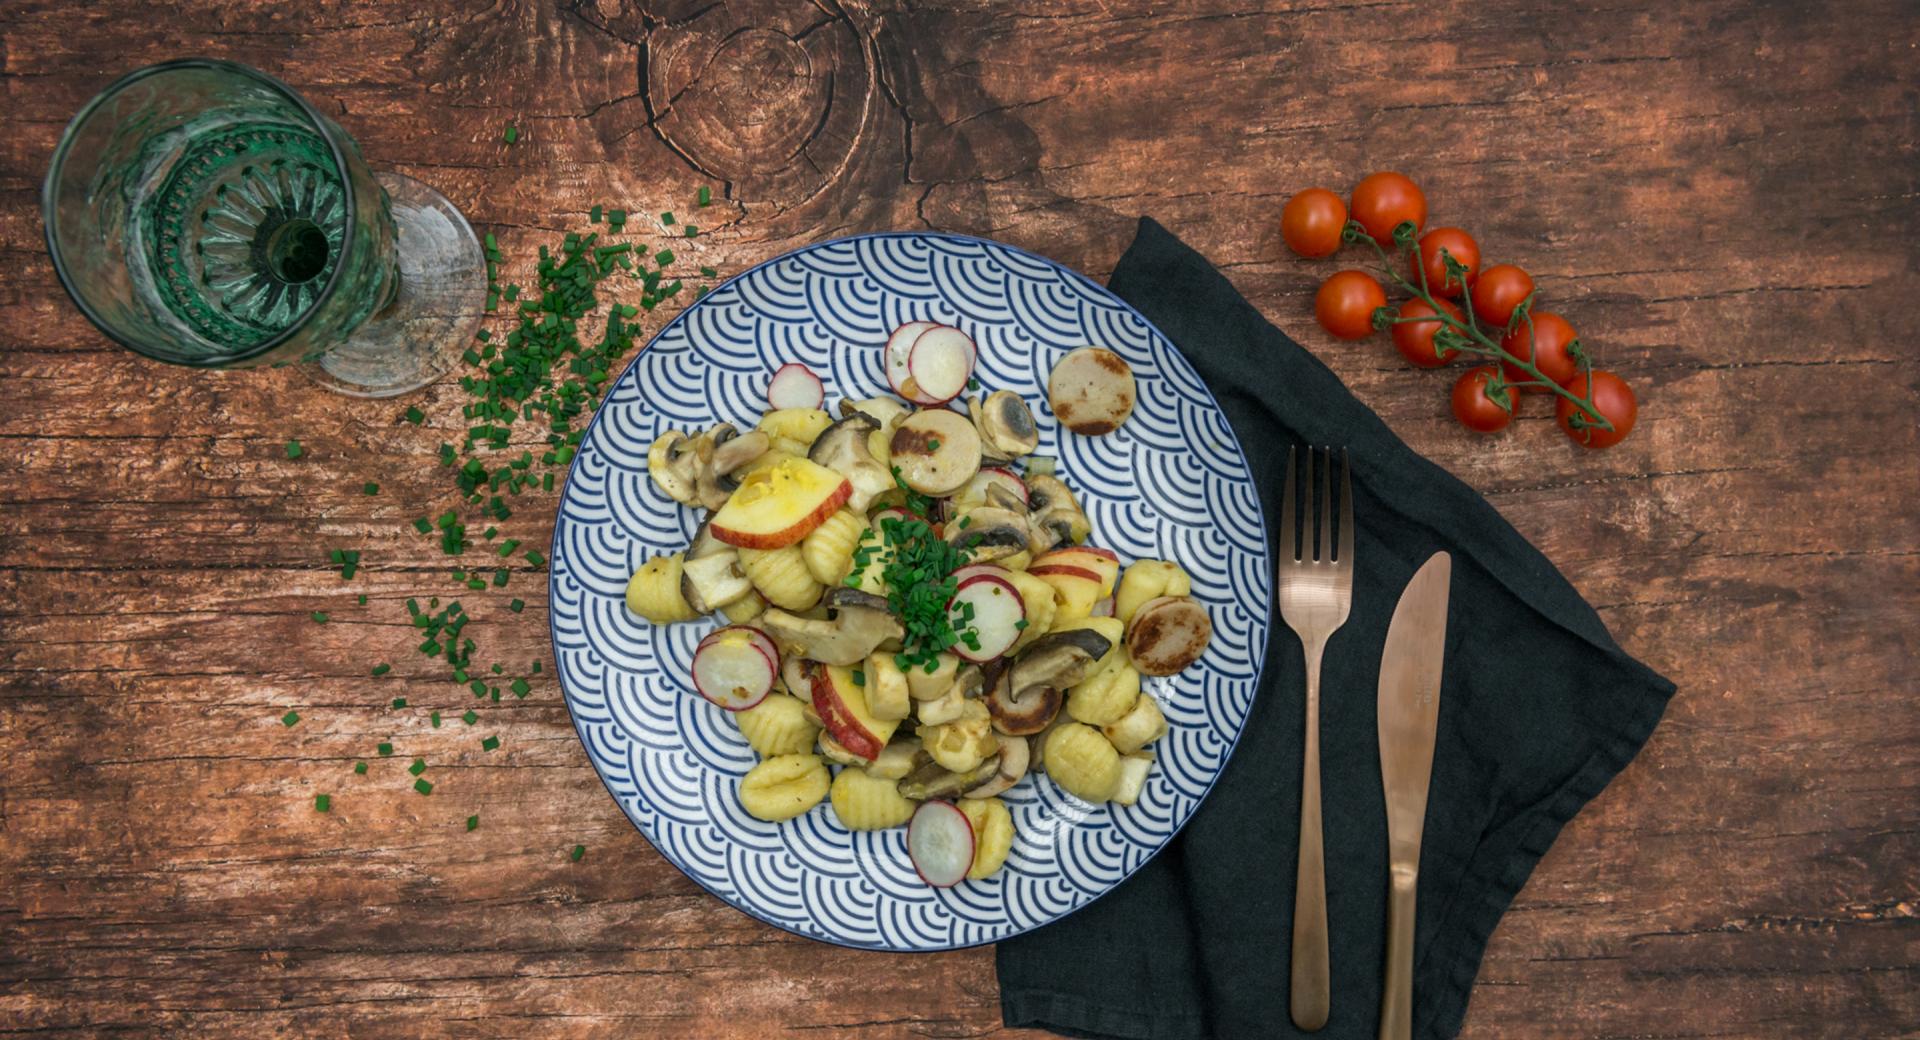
{"x":783,"y":786}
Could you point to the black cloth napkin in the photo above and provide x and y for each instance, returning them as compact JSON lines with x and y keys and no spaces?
{"x":1539,"y":709}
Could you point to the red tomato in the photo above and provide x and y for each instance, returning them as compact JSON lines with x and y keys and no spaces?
{"x":1475,"y":404}
{"x":1498,"y":291}
{"x":1458,"y":245}
{"x":1415,"y":339}
{"x":1346,"y":302}
{"x":1385,"y":200}
{"x":1548,"y":349}
{"x":1311,"y":223}
{"x":1613,"y":397}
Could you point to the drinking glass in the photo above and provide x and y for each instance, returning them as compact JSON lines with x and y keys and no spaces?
{"x":203,"y":213}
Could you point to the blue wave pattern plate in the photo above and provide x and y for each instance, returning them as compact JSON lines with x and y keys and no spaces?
{"x":1172,"y":483}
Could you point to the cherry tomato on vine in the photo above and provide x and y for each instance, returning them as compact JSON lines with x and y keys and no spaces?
{"x":1548,"y":349}
{"x":1346,"y":302}
{"x":1498,"y":291}
{"x":1415,"y":338}
{"x":1614,"y":399}
{"x":1459,"y":245}
{"x":1475,"y":404}
{"x":1311,"y":223}
{"x":1384,"y":200}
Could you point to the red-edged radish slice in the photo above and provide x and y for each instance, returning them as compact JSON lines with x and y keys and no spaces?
{"x":1104,"y":608}
{"x":795,"y":386}
{"x":973,"y":570}
{"x":760,"y":639}
{"x":941,"y":363}
{"x":995,"y":619}
{"x":899,"y":348}
{"x":940,"y":843}
{"x":732,"y":669}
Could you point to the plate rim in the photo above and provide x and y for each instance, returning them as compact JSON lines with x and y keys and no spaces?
{"x":560,"y":667}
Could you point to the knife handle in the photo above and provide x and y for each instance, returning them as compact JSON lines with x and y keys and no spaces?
{"x":1311,"y":998}
{"x":1396,"y":995}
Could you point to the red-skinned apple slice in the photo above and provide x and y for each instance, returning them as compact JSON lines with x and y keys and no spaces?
{"x":842,"y":708}
{"x":1101,"y":564}
{"x":1061,"y":568}
{"x":972,"y":570}
{"x":940,"y":844}
{"x":777,"y":506}
{"x":994,"y":620}
{"x":732,"y":669}
{"x":795,"y":386}
{"x":941,"y":363}
{"x":898,"y":349}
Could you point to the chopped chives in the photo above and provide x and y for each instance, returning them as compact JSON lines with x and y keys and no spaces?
{"x":322,"y":802}
{"x":294,"y":450}
{"x":520,"y":687}
{"x":667,"y":218}
{"x":507,"y":547}
{"x":473,"y":822}
{"x":490,"y":743}
{"x":419,"y":766}
{"x":360,"y":768}
{"x":470,"y":717}
{"x":423,"y":787}
{"x":512,"y":135}
{"x":535,"y":558}
{"x":290,"y":718}
{"x":692,"y":232}
{"x":382,"y":668}
{"x":319,"y":616}
{"x":435,"y":719}
{"x":517,"y":606}
{"x":499,"y":577}
{"x":578,"y":851}
{"x":363,"y":599}
{"x":385,"y":749}
{"x":705,"y":195}
{"x":399,"y":702}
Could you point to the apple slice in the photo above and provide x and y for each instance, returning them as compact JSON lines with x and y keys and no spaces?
{"x":732,"y":668}
{"x":1101,"y":564}
{"x":940,"y":363}
{"x":898,"y":351}
{"x":992,"y":609}
{"x":777,"y":506}
{"x":1075,"y":591}
{"x":971,"y":570}
{"x":940,"y":843}
{"x":842,"y":707}
{"x":795,"y":386}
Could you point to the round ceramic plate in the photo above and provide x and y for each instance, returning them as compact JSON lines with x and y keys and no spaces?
{"x":1172,"y":483}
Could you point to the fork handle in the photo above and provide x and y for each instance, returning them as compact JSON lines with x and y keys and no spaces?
{"x":1311,"y":997}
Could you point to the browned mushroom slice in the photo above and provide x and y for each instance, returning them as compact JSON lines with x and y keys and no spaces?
{"x":988,"y":533}
{"x":930,"y":779}
{"x":1028,"y":695}
{"x":1014,"y":756}
{"x":1091,"y":391}
{"x":855,"y":626}
{"x":1006,"y":427}
{"x":842,"y":448}
{"x":1168,"y":634}
{"x":726,"y":450}
{"x":675,"y":466}
{"x":1053,"y":517}
{"x":935,"y":451}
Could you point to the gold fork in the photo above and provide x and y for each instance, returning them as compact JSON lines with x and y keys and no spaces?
{"x":1316,"y":590}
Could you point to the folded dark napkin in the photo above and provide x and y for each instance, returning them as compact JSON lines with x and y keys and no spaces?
{"x":1539,"y":708}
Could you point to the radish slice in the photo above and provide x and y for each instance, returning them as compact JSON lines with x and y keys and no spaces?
{"x":994,"y":620}
{"x":760,"y":639}
{"x":795,"y":386}
{"x":940,"y":843}
{"x":941,"y":363}
{"x":899,"y":348}
{"x":732,"y":668}
{"x":1104,"y":608}
{"x":973,"y":570}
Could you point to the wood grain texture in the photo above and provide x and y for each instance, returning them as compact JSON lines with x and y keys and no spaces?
{"x":1720,"y":195}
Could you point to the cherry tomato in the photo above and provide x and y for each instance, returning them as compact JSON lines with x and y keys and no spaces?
{"x":1613,"y":397}
{"x":1474,"y":401}
{"x":1346,"y":302}
{"x":1415,"y":339}
{"x":1548,"y":349}
{"x":1458,"y":245}
{"x":1311,"y":223}
{"x":1386,"y":199}
{"x":1497,"y":291}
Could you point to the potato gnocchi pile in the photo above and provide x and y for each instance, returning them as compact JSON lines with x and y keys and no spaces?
{"x":913,"y":624}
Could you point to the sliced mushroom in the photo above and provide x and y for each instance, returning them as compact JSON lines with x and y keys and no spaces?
{"x":1028,"y":695}
{"x":724,"y":452}
{"x":930,"y":780}
{"x":885,"y":411}
{"x":675,"y":466}
{"x":1053,"y":517}
{"x":1014,"y":756}
{"x":711,"y":582}
{"x":989,"y":533}
{"x":855,"y":625}
{"x":835,"y":751}
{"x":842,"y":448}
{"x":704,"y":543}
{"x":896,"y":760}
{"x":1006,"y":426}
{"x":1000,"y":496}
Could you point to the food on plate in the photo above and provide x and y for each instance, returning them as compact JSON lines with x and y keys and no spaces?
{"x":1311,"y":222}
{"x":1529,"y":351}
{"x":1345,"y":303}
{"x":784,"y":786}
{"x":1091,"y":391}
{"x":917,"y":620}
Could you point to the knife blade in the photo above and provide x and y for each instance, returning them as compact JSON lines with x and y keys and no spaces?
{"x":1409,"y":716}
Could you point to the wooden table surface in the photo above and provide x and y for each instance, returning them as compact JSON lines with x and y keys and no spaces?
{"x":1722,"y":196}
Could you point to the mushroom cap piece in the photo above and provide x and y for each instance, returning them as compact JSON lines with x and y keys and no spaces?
{"x":1014,"y":756}
{"x":930,"y":779}
{"x":674,"y":464}
{"x":855,"y":626}
{"x":1054,"y":518}
{"x":1028,"y":695}
{"x":1007,"y":429}
{"x":725,"y":451}
{"x":989,"y":533}
{"x":842,"y":447}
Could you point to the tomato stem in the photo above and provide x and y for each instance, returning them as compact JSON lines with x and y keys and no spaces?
{"x":1474,"y":341}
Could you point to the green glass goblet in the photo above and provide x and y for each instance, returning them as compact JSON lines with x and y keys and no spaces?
{"x":202,"y":213}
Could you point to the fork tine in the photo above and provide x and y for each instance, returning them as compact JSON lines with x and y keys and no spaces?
{"x":1346,"y":507}
{"x":1288,"y":547}
{"x":1323,"y":547}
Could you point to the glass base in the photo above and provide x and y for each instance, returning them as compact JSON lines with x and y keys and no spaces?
{"x":431,"y":321}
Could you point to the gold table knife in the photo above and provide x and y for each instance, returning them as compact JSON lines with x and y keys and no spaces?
{"x":1409,"y":710}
